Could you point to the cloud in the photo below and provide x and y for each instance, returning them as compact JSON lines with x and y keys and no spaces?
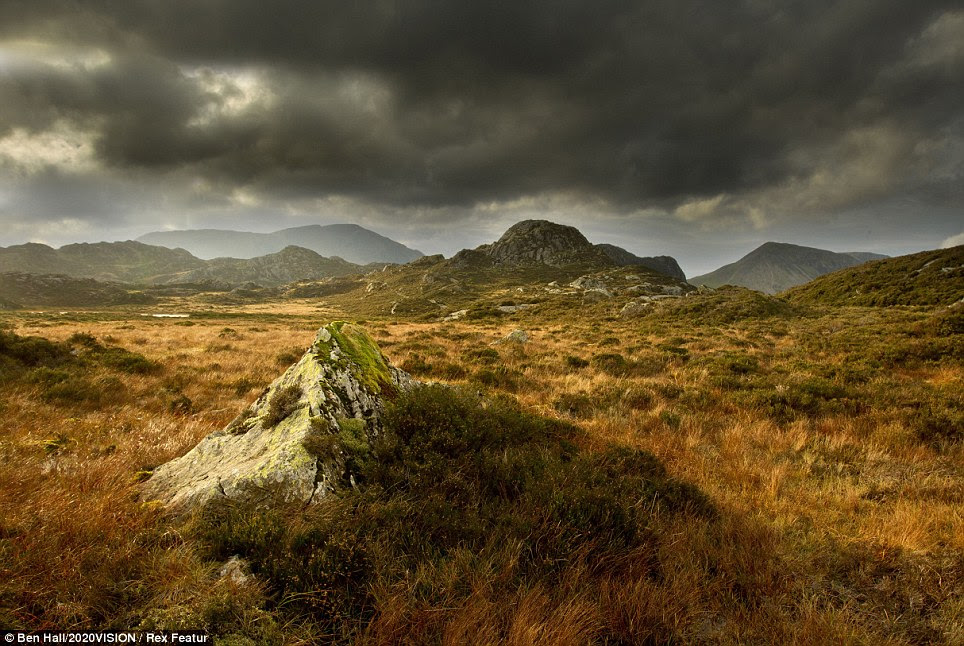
{"x":953,"y":241}
{"x":722,"y":116}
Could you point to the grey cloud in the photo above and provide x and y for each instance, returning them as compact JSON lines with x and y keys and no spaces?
{"x":779,"y":109}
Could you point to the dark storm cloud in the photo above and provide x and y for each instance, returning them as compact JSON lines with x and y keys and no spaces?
{"x":714,"y":111}
{"x":632,"y":100}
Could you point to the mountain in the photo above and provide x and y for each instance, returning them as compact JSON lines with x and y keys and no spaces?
{"x":535,"y":266}
{"x":663,"y":264}
{"x":136,"y":262}
{"x":286,"y":266}
{"x":349,"y":241}
{"x":532,"y":243}
{"x":776,"y":266}
{"x":926,"y":278}
{"x":126,"y":262}
{"x":18,"y":288}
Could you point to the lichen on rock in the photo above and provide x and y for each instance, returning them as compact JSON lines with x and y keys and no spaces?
{"x":286,"y":444}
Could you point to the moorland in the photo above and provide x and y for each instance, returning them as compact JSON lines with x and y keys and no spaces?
{"x":656,"y":463}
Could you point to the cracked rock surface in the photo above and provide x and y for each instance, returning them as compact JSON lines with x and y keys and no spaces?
{"x":285,"y":443}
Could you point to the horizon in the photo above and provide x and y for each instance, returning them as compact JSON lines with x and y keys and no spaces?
{"x":683,"y":129}
{"x":704,"y":268}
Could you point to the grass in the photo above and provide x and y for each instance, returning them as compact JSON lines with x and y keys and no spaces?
{"x":793,"y":477}
{"x":926,"y":278}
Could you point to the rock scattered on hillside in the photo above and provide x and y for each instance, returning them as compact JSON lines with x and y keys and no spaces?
{"x":516,"y":336}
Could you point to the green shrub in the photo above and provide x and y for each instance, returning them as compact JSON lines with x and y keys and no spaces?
{"x":574,"y":404}
{"x":484,"y":355}
{"x":129,"y":362}
{"x":573,"y":361}
{"x":499,"y":377}
{"x":612,"y":364}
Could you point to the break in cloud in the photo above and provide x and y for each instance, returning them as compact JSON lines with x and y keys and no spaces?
{"x":688,"y":127}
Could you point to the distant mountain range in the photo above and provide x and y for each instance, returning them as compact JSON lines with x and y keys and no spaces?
{"x":138,"y":263}
{"x":926,"y":278}
{"x":348,"y":241}
{"x":776,"y":266}
{"x":532,"y":243}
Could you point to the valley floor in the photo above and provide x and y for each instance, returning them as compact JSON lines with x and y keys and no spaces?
{"x":830,"y":443}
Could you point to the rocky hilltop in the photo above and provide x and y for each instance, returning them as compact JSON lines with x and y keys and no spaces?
{"x":540,"y":242}
{"x":291,"y":442}
{"x":663,"y":264}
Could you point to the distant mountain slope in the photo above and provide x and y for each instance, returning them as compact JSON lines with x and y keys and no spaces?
{"x":126,"y":262}
{"x":926,"y":278}
{"x":663,"y":264}
{"x":287,"y":266}
{"x":776,"y":266}
{"x":349,"y":241}
{"x":135,"y":262}
{"x":18,"y":288}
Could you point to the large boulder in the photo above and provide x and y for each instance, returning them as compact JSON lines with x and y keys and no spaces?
{"x":289,"y":442}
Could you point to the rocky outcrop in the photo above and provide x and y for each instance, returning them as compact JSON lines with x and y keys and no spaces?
{"x":533,"y":242}
{"x":290,"y":443}
{"x":515,"y":336}
{"x":665,"y":265}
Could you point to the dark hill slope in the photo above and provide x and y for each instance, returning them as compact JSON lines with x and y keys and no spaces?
{"x":775,"y":266}
{"x":349,"y":241}
{"x":287,"y":266}
{"x":17,"y":288}
{"x":926,"y":278}
{"x":128,"y":262}
{"x":663,"y":264}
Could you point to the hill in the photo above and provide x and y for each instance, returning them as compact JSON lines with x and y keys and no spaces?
{"x":535,"y":243}
{"x":126,"y":262}
{"x":18,"y":288}
{"x":286,"y":266}
{"x":349,"y":241}
{"x":926,"y":278}
{"x":663,"y":264}
{"x":139,"y":263}
{"x":776,"y":266}
{"x":534,"y":265}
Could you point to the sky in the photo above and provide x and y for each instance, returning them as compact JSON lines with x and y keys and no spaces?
{"x":694,"y":128}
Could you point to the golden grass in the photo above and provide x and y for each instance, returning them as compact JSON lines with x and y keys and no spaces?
{"x":837,"y":527}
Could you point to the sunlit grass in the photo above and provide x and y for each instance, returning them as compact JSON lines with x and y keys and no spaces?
{"x":826,"y":441}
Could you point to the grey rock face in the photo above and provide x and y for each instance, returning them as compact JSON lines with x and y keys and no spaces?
{"x":285,"y":443}
{"x":665,"y":265}
{"x":596,"y":295}
{"x":542,"y":242}
{"x":516,"y":336}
